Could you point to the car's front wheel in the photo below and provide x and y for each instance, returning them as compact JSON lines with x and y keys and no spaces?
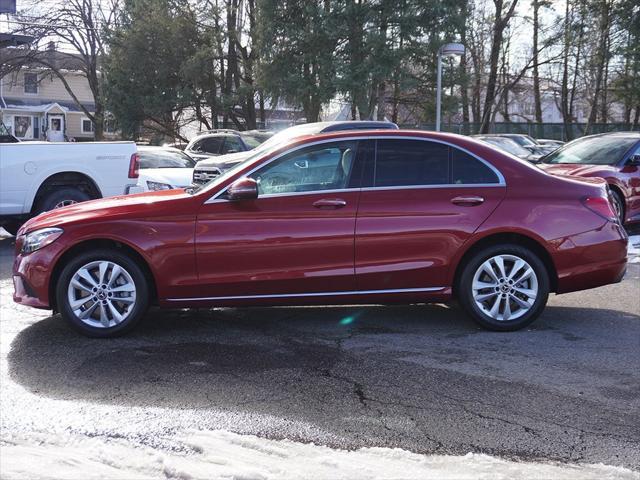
{"x":102,"y":293}
{"x":504,"y":287}
{"x":618,"y":205}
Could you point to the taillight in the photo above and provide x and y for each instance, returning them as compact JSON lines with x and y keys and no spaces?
{"x":134,"y":166}
{"x":601,"y":206}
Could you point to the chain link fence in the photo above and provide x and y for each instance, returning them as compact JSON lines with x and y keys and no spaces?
{"x":554,"y":131}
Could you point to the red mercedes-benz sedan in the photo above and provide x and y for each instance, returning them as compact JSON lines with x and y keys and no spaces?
{"x":357,"y":217}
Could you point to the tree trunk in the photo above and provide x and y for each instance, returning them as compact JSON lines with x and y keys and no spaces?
{"x":600,"y":59}
{"x":500,"y":24}
{"x":537,"y":98}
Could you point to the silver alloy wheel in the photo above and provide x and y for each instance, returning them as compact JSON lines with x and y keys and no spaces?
{"x":101,"y":294}
{"x":64,"y":203}
{"x":505,"y":287}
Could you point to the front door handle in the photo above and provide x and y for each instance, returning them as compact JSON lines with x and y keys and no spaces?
{"x":330,"y":203}
{"x":470,"y":201}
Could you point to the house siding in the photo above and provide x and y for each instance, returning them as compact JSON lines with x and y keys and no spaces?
{"x":50,"y":87}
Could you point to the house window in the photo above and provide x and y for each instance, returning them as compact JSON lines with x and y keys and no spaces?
{"x":23,"y":126}
{"x":31,"y":83}
{"x":87,"y":126}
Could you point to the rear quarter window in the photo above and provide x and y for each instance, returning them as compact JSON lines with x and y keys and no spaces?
{"x":468,"y":170}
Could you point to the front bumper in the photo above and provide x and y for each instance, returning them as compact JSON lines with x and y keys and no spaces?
{"x":32,"y":275}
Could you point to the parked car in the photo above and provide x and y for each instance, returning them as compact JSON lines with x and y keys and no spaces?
{"x":509,"y":146}
{"x":353,"y":217}
{"x":547,"y":142}
{"x":179,"y":145}
{"x":164,"y":168}
{"x":537,"y":147}
{"x":612,"y":156}
{"x":221,"y":142}
{"x":209,"y":169}
{"x":40,"y":176}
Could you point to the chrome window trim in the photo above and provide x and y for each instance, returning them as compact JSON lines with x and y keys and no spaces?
{"x":314,"y":294}
{"x":501,"y":180}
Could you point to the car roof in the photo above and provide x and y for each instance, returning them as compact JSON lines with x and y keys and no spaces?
{"x":152,"y":148}
{"x":616,"y":134}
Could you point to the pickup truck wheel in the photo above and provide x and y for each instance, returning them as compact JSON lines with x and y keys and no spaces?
{"x":102,"y":293}
{"x":12,"y":226}
{"x":61,"y":198}
{"x":504,"y":287}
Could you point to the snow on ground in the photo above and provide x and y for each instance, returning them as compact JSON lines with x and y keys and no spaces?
{"x":221,"y":454}
{"x":634,"y":249}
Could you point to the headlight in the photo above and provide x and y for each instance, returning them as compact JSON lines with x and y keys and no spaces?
{"x":40,"y":238}
{"x":158,"y":186}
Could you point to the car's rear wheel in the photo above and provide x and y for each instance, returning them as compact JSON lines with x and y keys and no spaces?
{"x":102,"y":293}
{"x":504,"y":287}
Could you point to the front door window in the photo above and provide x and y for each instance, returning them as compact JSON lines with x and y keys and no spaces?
{"x":312,"y":169}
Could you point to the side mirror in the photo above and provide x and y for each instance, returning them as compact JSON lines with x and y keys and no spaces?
{"x":634,"y":160}
{"x":243,"y":189}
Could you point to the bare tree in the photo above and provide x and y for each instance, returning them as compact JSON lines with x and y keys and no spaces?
{"x":503,"y":14}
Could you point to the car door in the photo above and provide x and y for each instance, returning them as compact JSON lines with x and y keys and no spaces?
{"x":420,"y":202}
{"x":296,"y":238}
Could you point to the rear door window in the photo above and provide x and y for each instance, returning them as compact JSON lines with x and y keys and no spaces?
{"x":401,"y":162}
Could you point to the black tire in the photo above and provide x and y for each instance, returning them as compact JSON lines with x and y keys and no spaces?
{"x":465,"y":292}
{"x":133,"y":316}
{"x":61,"y":195}
{"x":12,"y":226}
{"x":618,"y":205}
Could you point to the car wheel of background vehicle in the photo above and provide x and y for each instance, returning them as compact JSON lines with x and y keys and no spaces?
{"x":618,"y":205}
{"x":102,"y":293}
{"x":12,"y":227}
{"x":504,"y":287}
{"x":61,"y":198}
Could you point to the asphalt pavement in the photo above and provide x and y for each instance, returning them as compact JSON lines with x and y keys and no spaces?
{"x":423,"y":378}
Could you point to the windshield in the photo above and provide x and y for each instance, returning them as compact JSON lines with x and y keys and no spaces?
{"x":254,"y":139}
{"x":507,"y":145}
{"x":522,"y":140}
{"x":593,"y":151}
{"x":164,"y":159}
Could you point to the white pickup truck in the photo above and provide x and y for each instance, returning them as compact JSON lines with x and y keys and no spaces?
{"x":40,"y":176}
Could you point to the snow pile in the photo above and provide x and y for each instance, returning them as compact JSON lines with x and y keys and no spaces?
{"x":634,"y":249}
{"x":221,"y":454}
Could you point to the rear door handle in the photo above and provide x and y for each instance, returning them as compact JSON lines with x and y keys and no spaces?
{"x":330,"y":203}
{"x":470,"y":201}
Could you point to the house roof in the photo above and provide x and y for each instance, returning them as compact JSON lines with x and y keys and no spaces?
{"x":33,"y":58}
{"x":14,"y":40}
{"x":42,"y":105}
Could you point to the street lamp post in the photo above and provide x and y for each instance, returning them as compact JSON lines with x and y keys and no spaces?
{"x":446,"y":50}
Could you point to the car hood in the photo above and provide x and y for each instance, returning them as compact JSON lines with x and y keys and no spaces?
{"x":577,"y":170}
{"x":224,"y":162}
{"x":176,"y":177}
{"x":123,"y":206}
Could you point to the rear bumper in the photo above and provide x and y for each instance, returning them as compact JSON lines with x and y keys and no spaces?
{"x":591,"y":259}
